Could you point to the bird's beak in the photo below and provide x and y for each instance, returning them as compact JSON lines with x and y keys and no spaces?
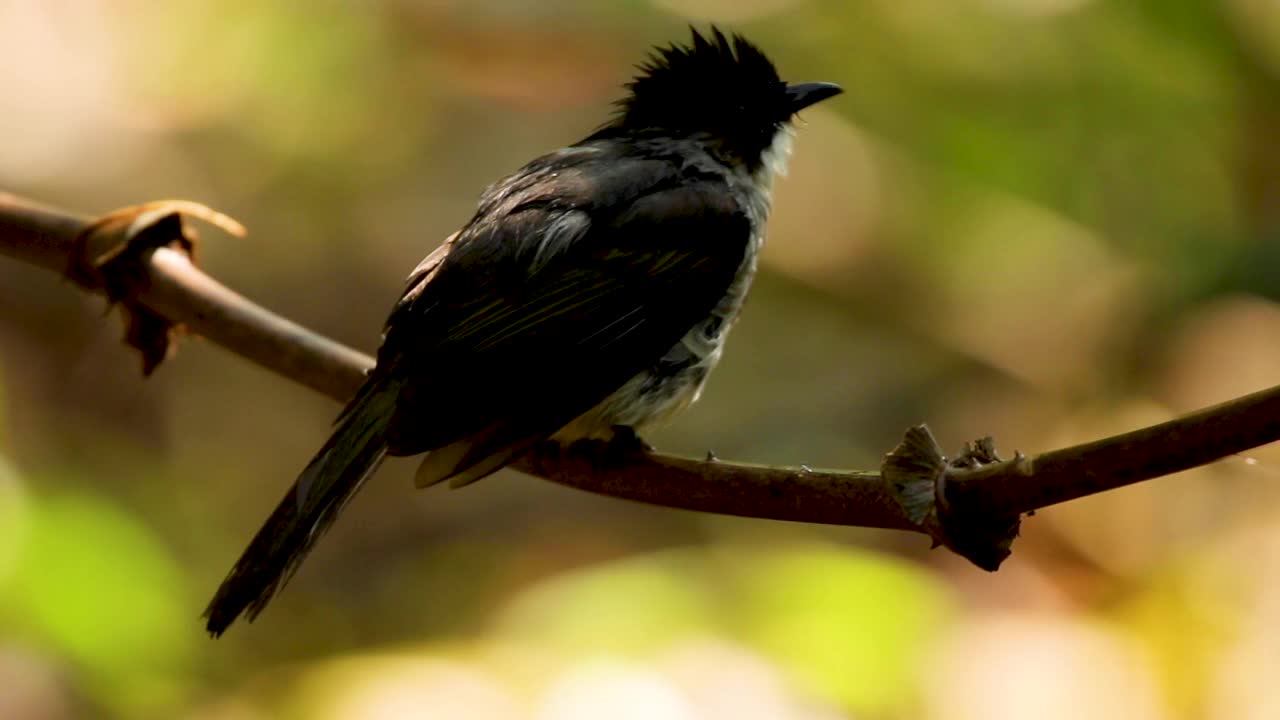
{"x":803,"y":95}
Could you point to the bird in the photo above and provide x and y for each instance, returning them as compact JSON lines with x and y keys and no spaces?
{"x":588,"y":297}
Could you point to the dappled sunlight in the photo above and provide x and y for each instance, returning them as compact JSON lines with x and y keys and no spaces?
{"x":386,"y":688}
{"x":64,"y":63}
{"x":1045,"y":666}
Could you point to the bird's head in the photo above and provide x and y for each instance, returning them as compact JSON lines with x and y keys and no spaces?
{"x":722,"y":90}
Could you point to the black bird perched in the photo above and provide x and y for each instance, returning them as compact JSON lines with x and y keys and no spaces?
{"x":590,"y":294}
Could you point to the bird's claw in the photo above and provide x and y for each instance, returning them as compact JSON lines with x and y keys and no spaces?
{"x":625,"y":441}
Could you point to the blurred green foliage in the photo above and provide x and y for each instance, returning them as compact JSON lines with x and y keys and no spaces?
{"x":1047,"y":220}
{"x":92,"y":582}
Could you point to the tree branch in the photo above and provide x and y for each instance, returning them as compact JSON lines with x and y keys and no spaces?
{"x":975,"y":498}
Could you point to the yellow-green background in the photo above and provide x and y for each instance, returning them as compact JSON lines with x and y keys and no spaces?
{"x":1047,"y":220}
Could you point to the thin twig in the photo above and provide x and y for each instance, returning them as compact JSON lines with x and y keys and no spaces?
{"x":181,"y":292}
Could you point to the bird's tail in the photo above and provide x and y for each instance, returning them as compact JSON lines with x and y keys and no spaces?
{"x":331,"y":479}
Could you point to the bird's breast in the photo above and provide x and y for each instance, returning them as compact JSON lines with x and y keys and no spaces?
{"x":676,"y":380}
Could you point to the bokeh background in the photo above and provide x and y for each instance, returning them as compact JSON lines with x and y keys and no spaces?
{"x":1047,"y":220}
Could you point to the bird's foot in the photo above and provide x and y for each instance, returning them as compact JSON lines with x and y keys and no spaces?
{"x":622,"y":447}
{"x":626,"y":442}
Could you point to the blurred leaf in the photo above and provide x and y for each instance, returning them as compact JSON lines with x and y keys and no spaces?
{"x":851,"y":625}
{"x":14,"y":519}
{"x":1186,"y":613}
{"x":305,"y":77}
{"x":635,"y":605}
{"x":97,"y":586}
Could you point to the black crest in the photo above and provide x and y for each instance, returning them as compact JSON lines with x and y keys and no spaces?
{"x":720,"y":86}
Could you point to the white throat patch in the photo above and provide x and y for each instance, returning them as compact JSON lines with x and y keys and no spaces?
{"x":774,"y":159}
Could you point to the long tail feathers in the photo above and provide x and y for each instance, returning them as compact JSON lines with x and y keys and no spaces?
{"x":331,"y":479}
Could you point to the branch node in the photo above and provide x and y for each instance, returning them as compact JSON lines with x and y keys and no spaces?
{"x":917,"y":473}
{"x":110,"y":255}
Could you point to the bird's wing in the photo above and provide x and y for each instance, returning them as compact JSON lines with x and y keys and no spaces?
{"x":494,"y":357}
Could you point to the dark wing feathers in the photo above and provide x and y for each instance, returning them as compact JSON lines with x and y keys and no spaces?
{"x":490,"y":352}
{"x":485,"y":355}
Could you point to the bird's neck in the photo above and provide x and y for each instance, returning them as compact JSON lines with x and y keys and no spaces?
{"x":774,"y":158}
